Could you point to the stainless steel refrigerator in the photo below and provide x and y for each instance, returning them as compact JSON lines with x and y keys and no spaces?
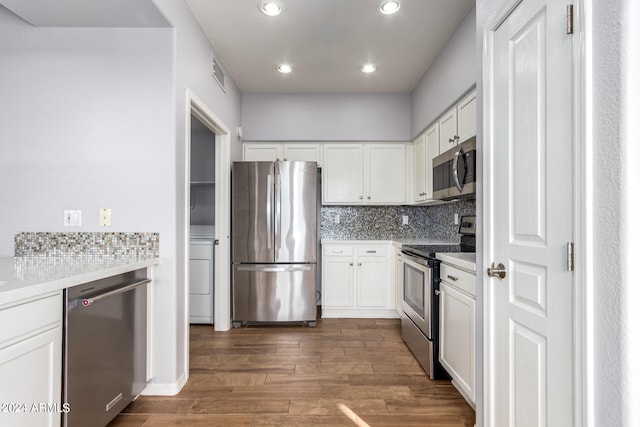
{"x":274,"y":241}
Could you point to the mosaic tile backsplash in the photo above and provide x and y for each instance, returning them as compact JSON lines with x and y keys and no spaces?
{"x":88,"y":244}
{"x":385,"y":222}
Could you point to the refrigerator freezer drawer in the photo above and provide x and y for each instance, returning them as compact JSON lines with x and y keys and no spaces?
{"x":274,"y":292}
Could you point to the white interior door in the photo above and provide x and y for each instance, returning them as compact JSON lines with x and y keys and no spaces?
{"x":530,"y":357}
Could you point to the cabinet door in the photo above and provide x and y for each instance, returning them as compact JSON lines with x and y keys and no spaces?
{"x":432,"y":149}
{"x":371,"y":282}
{"x":467,"y":117}
{"x":399,"y":285}
{"x":262,"y":152}
{"x":337,"y":281}
{"x":420,"y":169}
{"x":448,"y":129}
{"x":385,"y":173}
{"x":31,"y":372}
{"x":303,"y":153}
{"x":342,"y":174}
{"x":457,"y":338}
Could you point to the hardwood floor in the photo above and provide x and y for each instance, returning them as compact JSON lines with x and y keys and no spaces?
{"x":344,"y":372}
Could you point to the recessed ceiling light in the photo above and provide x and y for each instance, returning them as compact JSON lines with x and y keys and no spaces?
{"x":390,"y":7}
{"x":270,"y":8}
{"x":368,"y":68}
{"x":285,"y":69}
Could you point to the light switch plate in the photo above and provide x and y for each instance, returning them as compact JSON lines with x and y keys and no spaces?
{"x":105,"y":217}
{"x":336,"y":219}
{"x":405,"y":219}
{"x":72,"y":218}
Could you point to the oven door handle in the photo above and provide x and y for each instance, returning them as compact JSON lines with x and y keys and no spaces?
{"x":419,"y":263}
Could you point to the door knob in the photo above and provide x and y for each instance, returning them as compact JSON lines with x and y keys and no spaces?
{"x":500,"y":271}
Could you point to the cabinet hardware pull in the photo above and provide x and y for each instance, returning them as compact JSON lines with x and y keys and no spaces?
{"x":351,"y":264}
{"x":337,"y":252}
{"x":450,"y":277}
{"x":359,"y":264}
{"x":360,"y":197}
{"x":372,"y":252}
{"x":368,"y":197}
{"x":438,"y":292}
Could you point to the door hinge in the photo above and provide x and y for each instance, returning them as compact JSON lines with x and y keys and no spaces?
{"x":570,"y":257}
{"x":569,"y":19}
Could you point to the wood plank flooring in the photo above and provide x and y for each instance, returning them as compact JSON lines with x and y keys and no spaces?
{"x":344,"y":372}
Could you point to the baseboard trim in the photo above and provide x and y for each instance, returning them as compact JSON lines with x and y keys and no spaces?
{"x":359,"y":313}
{"x":165,"y":389}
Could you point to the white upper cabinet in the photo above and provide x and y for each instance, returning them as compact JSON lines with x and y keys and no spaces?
{"x":342,"y":174}
{"x":262,"y":152}
{"x":459,"y":123}
{"x":385,"y":173}
{"x":364,"y":174}
{"x":448,"y":123}
{"x":259,"y":151}
{"x":419,"y":169}
{"x":303,"y":153}
{"x":467,"y":117}
{"x":426,"y":147}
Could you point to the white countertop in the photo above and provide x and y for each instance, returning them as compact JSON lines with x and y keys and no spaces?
{"x":25,"y":277}
{"x":464,"y":260}
{"x":395,"y":242}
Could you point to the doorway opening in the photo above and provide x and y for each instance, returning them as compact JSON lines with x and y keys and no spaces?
{"x":215,"y":199}
{"x":201,"y":223}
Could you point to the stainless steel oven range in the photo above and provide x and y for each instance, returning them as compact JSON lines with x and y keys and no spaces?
{"x":421,"y":284}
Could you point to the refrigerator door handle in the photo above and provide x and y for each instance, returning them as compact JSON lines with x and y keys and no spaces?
{"x":269,"y":210}
{"x":278,"y":203}
{"x":278,"y":268}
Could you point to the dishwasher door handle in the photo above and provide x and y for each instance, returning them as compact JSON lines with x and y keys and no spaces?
{"x":86,"y":302}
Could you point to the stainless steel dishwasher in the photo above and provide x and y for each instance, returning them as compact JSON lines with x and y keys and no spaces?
{"x":105,"y":340}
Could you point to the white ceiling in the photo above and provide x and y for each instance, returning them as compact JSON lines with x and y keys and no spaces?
{"x":327,"y":42}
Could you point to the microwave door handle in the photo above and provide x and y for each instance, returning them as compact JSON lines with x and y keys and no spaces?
{"x":456,"y":178}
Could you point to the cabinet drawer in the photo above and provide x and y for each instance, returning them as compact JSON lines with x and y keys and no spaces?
{"x":458,"y":279}
{"x":337,"y":250}
{"x":27,"y":317}
{"x":371,"y":251}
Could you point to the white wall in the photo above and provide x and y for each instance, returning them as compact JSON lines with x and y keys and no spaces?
{"x":94,"y":118}
{"x":87,"y":122}
{"x":192,"y":71}
{"x":448,"y":78}
{"x":325,"y":117}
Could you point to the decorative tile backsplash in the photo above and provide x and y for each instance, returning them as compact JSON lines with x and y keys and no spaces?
{"x":385,"y":222}
{"x":97,"y":244}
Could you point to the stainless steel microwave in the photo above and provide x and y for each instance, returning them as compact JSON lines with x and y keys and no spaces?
{"x":454,"y":172}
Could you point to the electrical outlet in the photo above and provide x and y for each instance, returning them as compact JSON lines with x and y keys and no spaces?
{"x":105,"y":217}
{"x":405,"y":219}
{"x":72,"y":218}
{"x":456,"y":219}
{"x":336,"y":219}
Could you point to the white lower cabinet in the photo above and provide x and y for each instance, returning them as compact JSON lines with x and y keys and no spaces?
{"x":358,"y":281}
{"x":457,"y":328}
{"x":31,"y":362}
{"x":399,"y":280}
